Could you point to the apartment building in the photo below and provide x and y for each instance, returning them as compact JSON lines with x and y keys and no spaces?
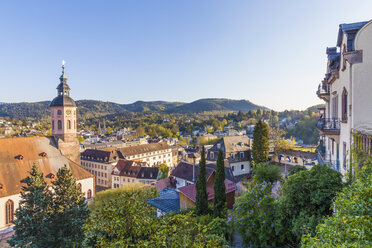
{"x":346,"y":91}
{"x":153,"y":154}
{"x":237,"y":153}
{"x":100,"y":163}
{"x":133,"y":172}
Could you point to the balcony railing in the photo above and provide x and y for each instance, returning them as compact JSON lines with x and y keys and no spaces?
{"x":323,"y":89}
{"x":325,"y":159}
{"x":328,"y":124}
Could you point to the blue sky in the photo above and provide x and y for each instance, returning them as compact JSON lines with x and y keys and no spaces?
{"x":269,"y":52}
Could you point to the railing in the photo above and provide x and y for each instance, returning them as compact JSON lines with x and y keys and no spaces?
{"x":323,"y":89}
{"x":328,"y":124}
{"x":325,"y":159}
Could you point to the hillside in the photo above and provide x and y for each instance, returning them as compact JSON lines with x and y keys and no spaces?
{"x":93,"y":108}
{"x":214,"y":104}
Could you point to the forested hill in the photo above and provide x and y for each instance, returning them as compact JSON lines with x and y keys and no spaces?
{"x":92,"y":108}
{"x":214,"y":104}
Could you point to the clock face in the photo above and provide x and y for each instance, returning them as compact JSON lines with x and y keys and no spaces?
{"x":68,"y":112}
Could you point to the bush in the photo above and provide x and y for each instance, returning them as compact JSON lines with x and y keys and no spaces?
{"x":306,"y":198}
{"x":351,"y":224}
{"x":255,"y":216}
{"x":293,"y":170}
{"x":266,"y":173}
{"x":123,"y":218}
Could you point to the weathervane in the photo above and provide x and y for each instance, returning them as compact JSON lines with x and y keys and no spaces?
{"x":63,"y":66}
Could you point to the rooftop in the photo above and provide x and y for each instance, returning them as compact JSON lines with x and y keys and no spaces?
{"x":17,"y":156}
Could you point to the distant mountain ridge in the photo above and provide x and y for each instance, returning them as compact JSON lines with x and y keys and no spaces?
{"x":94,"y":108}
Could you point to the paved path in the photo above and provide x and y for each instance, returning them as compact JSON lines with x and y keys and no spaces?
{"x":238,"y":241}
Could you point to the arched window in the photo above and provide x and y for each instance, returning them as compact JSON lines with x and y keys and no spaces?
{"x":68,"y":124}
{"x":9,"y":212}
{"x":59,"y":112}
{"x":344,"y":105}
{"x":89,"y":194}
{"x":59,"y":124}
{"x":79,"y":185}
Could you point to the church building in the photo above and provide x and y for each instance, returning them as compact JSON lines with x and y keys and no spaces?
{"x":18,"y":155}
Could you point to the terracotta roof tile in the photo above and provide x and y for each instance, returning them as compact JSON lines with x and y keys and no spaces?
{"x":13,"y":171}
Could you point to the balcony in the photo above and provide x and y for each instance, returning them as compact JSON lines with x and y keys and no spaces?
{"x":325,"y":159}
{"x":323,"y":92}
{"x":329,"y":126}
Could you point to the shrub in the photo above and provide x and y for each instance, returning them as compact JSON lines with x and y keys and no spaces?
{"x":293,"y":170}
{"x":255,"y":216}
{"x":351,"y":224}
{"x":266,"y":173}
{"x":306,"y":198}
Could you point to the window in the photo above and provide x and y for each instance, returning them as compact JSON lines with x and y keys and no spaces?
{"x":52,"y":125}
{"x":232,"y":168}
{"x":335,"y":107}
{"x":59,"y":112}
{"x":212,"y":155}
{"x":344,"y":106}
{"x":242,"y":167}
{"x":241,"y":154}
{"x":344,"y":156}
{"x":9,"y":212}
{"x":74,"y":124}
{"x":59,"y":124}
{"x":89,"y":194}
{"x":68,"y":124}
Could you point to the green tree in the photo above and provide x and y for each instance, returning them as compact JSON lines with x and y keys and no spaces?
{"x":293,"y":170}
{"x":80,"y":139}
{"x":164,"y":169}
{"x":260,"y":150}
{"x":120,"y":217}
{"x":32,"y":216}
{"x":109,"y":131}
{"x":306,"y":198}
{"x":140,"y":131}
{"x":201,"y":204}
{"x":219,"y":206}
{"x":266,"y":173}
{"x":351,"y":223}
{"x":69,"y":210}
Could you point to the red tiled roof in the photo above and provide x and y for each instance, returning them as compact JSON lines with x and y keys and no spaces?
{"x":190,"y":190}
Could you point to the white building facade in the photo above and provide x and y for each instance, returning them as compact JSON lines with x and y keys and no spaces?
{"x":153,"y":154}
{"x":346,"y":90}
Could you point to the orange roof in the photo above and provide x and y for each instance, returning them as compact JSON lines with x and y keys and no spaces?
{"x":17,"y":156}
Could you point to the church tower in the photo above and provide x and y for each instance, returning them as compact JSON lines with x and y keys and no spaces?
{"x":63,"y":113}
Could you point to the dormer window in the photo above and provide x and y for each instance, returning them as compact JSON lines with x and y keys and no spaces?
{"x":44,"y":154}
{"x":51,"y":176}
{"x":1,"y":186}
{"x":19,"y":157}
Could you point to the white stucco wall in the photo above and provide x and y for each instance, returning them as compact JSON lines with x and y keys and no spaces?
{"x":237,"y":170}
{"x":86,"y":184}
{"x":362,"y":82}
